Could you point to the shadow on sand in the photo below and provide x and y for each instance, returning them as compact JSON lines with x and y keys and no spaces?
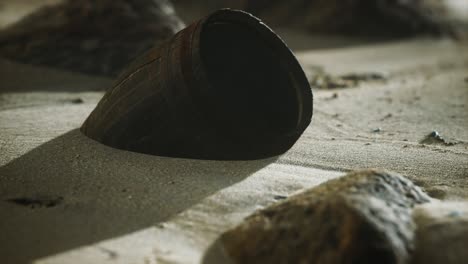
{"x":72,"y":191}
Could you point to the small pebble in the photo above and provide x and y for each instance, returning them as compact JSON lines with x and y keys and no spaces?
{"x":387,"y":116}
{"x":77,"y":101}
{"x":377,"y":130}
{"x":280,"y":197}
{"x":435,"y":137}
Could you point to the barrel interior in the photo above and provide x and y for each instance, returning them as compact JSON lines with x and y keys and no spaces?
{"x":251,"y":88}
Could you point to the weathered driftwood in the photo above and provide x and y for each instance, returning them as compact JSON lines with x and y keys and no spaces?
{"x":363,"y":217}
{"x":91,"y":36}
{"x":226,"y":87}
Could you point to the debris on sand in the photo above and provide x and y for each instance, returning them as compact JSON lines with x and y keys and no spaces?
{"x":377,"y":130}
{"x":386,"y":117}
{"x":363,"y":77}
{"x":37,"y":202}
{"x":327,"y":81}
{"x":112,"y":254}
{"x":334,"y":96}
{"x":76,"y":101}
{"x":435,"y":138}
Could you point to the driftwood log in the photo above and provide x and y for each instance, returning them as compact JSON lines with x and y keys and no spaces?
{"x":226,"y":87}
{"x":363,"y":217}
{"x":92,"y":36}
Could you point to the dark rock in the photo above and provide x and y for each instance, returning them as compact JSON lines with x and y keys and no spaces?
{"x":90,"y":36}
{"x":363,"y":217}
{"x":77,"y":101}
{"x":280,"y":197}
{"x":442,"y":233}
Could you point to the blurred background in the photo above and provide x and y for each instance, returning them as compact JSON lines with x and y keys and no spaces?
{"x":390,"y":91}
{"x":100,"y":37}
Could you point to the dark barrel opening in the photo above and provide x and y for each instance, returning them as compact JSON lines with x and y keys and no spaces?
{"x":251,"y":89}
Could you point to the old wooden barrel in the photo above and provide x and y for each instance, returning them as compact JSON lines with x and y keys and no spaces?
{"x":225,"y":88}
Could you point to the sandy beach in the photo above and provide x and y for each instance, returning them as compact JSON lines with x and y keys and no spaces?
{"x":65,"y":198}
{"x":173,"y":209}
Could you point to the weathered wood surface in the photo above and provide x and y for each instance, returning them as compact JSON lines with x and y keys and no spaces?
{"x":226,"y":87}
{"x":363,"y":217}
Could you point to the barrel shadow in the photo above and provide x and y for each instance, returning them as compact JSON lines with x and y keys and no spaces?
{"x":73,"y":191}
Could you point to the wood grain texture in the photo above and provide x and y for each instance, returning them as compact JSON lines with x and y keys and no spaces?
{"x":226,"y":87}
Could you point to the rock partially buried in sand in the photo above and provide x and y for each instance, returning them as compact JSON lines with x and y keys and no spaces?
{"x":225,"y":88}
{"x":91,"y":36}
{"x":442,"y":233}
{"x":363,"y":217}
{"x":435,"y":138}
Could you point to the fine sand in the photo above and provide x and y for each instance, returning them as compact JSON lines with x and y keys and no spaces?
{"x":67,"y":199}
